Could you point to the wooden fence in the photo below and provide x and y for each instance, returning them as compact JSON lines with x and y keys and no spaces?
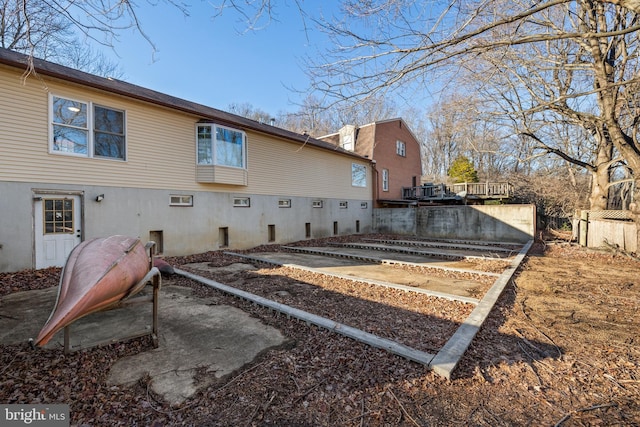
{"x":608,"y":228}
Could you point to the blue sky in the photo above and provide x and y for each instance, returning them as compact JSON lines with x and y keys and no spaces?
{"x":213,"y":62}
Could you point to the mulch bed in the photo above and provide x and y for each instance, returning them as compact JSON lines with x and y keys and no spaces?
{"x":529,"y":364}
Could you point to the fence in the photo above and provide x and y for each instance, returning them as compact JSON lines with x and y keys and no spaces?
{"x":606,"y":228}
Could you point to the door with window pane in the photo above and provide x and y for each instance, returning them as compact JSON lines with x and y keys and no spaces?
{"x":57,"y":228}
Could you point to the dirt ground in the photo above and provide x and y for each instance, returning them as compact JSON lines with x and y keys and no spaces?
{"x":560,"y":348}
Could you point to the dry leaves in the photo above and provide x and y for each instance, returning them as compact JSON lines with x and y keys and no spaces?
{"x":533,"y":363}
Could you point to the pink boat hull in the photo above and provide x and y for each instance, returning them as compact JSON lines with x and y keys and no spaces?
{"x":98,"y":274}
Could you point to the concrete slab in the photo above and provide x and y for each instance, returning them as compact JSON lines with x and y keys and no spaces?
{"x":357,"y":269}
{"x":194,"y":333}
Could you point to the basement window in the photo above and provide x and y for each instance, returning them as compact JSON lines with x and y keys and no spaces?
{"x":284,"y":203}
{"x":180,"y":200}
{"x":241,"y":202}
{"x":344,"y":204}
{"x":317,"y":203}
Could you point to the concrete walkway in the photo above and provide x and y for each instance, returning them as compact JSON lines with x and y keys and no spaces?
{"x":194,"y":333}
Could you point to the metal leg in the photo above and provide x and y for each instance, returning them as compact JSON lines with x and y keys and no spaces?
{"x":156,"y":295}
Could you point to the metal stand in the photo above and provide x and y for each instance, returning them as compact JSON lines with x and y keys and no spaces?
{"x":153,"y":277}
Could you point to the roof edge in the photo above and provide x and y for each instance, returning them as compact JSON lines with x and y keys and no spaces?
{"x":129,"y":90}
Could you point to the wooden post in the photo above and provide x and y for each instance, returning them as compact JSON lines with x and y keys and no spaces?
{"x":584,"y":226}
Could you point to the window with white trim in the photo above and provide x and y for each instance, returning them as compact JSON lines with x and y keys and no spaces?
{"x":317,"y":203}
{"x":364,"y":205}
{"x":180,"y":200}
{"x":385,"y":179}
{"x":241,"y":202}
{"x":358,"y":175}
{"x":401,"y":149}
{"x":82,"y":128}
{"x":221,"y":145}
{"x":284,"y":203}
{"x":343,"y":204}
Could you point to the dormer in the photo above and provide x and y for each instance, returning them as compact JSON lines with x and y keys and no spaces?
{"x":348,"y":137}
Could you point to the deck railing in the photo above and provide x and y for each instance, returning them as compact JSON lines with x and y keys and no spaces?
{"x":486,"y":190}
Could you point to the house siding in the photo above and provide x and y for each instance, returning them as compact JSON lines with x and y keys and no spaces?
{"x":161,"y":161}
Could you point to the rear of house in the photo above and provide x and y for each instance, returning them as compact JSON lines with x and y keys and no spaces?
{"x":396,"y":156}
{"x":83,"y":156}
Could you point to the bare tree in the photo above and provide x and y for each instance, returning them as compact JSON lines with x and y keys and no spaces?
{"x":35,"y":28}
{"x":45,"y":28}
{"x":316,"y":117}
{"x":459,"y":127}
{"x":249,"y":111}
{"x":571,"y":61}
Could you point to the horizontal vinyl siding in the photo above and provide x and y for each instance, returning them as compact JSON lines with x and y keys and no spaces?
{"x":19,"y":111}
{"x":160,"y":144}
{"x":160,"y":149}
{"x":290,"y":169}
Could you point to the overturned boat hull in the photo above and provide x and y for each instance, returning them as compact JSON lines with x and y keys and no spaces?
{"x":98,"y":274}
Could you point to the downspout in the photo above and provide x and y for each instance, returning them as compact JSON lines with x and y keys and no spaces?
{"x":374,"y":191}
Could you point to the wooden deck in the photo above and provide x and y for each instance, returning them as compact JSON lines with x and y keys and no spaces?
{"x":462,"y":191}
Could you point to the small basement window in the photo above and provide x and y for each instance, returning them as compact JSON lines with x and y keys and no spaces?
{"x":284,"y":203}
{"x":344,"y":204}
{"x":241,"y":202}
{"x":364,"y":205}
{"x":180,"y":200}
{"x":317,"y":203}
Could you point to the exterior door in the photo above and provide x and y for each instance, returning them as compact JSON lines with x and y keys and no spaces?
{"x":57,"y":228}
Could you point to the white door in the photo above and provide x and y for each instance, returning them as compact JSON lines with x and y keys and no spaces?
{"x":57,"y":228}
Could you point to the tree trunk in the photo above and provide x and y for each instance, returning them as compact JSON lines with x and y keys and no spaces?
{"x":599,"y":189}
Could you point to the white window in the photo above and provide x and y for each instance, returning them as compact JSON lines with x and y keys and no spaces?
{"x":401,"y":149}
{"x":358,"y":175}
{"x":317,"y":203}
{"x":347,"y":142}
{"x":180,"y":200}
{"x":364,"y":205}
{"x":241,"y":202}
{"x":385,"y":179}
{"x":344,"y":204}
{"x":83,"y":129}
{"x":284,"y":203}
{"x":220,"y":145}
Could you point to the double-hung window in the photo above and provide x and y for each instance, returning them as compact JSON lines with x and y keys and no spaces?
{"x":385,"y":179}
{"x":222,"y":146}
{"x":84,"y":129}
{"x":401,"y":149}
